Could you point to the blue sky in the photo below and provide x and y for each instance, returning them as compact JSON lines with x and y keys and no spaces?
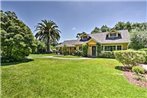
{"x":78,"y":16}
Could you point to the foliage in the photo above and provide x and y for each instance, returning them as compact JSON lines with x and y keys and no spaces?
{"x":48,"y":32}
{"x":130,"y":57}
{"x":138,"y":70}
{"x":107,"y":54}
{"x":138,"y":40}
{"x":41,"y":47}
{"x":144,"y":49}
{"x":78,"y":53}
{"x":131,"y":27}
{"x":17,"y":40}
{"x":121,"y":26}
{"x":105,"y":28}
{"x":80,"y":35}
{"x":65,"y":52}
{"x":85,"y":50}
{"x":99,"y":49}
{"x":96,"y":30}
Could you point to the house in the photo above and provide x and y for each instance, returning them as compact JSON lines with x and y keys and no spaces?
{"x":109,"y":41}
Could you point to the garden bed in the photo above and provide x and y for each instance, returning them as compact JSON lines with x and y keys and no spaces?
{"x":135,"y":79}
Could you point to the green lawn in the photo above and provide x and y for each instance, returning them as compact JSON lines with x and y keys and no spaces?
{"x":40,"y":55}
{"x":66,"y":56}
{"x":51,"y":78}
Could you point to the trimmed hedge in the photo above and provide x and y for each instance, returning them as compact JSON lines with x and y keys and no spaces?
{"x":106,"y":54}
{"x":130,"y":57}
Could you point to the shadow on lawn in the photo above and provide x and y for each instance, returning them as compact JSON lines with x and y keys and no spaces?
{"x":123,"y":68}
{"x":18,"y":62}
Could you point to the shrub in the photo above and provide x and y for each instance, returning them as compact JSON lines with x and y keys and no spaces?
{"x":138,"y":70}
{"x":99,"y":49}
{"x":144,"y":49}
{"x":78,"y":53}
{"x":130,"y":57}
{"x":106,"y":54}
{"x":65,"y":52}
{"x":85,"y":50}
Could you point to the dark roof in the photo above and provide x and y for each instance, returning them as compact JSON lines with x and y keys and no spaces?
{"x":99,"y":37}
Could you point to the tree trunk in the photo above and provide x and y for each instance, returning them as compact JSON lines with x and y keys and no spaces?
{"x":48,"y":44}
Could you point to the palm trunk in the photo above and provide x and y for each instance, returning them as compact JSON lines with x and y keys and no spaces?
{"x":48,"y":44}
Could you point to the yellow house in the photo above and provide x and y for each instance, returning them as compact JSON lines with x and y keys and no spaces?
{"x":109,"y":41}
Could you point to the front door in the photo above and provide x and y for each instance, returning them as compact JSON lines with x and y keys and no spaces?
{"x":93,"y":51}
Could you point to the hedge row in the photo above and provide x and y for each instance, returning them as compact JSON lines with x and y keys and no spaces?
{"x":106,"y":54}
{"x":130,"y":57}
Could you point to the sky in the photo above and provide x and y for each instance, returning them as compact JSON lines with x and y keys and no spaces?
{"x":73,"y":17}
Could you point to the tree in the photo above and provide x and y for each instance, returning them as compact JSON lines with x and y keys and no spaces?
{"x":105,"y":28}
{"x":17,"y":40}
{"x":138,"y":40}
{"x":128,"y":26}
{"x":120,"y":26}
{"x":96,"y":30}
{"x":47,"y":31}
{"x":79,"y":35}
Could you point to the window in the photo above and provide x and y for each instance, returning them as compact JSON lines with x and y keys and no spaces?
{"x":118,"y":47}
{"x":110,"y":48}
{"x":113,"y":35}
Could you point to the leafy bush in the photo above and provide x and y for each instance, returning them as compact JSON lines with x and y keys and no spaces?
{"x":85,"y":49}
{"x":107,"y":54}
{"x":78,"y":53}
{"x":130,"y":57}
{"x":144,"y":49}
{"x":138,"y":40}
{"x":17,"y":40}
{"x":65,"y":52}
{"x":138,"y":70}
{"x":99,"y":49}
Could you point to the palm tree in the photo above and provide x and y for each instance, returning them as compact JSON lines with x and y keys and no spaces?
{"x":48,"y":32}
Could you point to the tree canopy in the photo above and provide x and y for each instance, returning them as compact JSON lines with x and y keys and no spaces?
{"x":79,"y":35}
{"x":47,"y":31}
{"x":131,"y":27}
{"x":17,"y":40}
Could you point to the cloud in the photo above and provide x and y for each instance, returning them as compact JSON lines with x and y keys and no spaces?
{"x":74,"y":28}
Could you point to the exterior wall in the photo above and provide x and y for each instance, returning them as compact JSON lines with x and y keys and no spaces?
{"x":93,"y":43}
{"x":123,"y":45}
{"x":90,"y":44}
{"x":71,"y":50}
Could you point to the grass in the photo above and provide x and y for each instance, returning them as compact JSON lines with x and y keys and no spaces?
{"x":51,"y":78}
{"x":54,"y":55}
{"x":67,"y":56}
{"x":40,"y":55}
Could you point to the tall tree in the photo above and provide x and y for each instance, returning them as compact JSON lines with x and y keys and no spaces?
{"x":47,"y":31}
{"x":96,"y":30}
{"x":105,"y":28}
{"x":120,"y":26}
{"x":138,"y":40}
